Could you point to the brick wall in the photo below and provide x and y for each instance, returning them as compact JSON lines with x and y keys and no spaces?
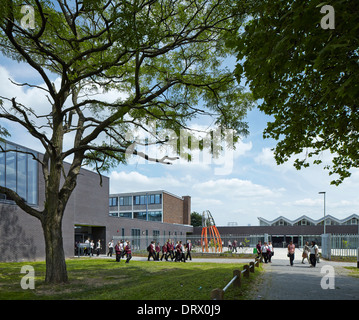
{"x":172,"y":209}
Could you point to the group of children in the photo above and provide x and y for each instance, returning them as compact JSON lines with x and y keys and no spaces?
{"x":122,"y":248}
{"x":178,"y":252}
{"x":265,"y":251}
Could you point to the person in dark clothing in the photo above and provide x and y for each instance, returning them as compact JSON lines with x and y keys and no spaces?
{"x":128,"y":252}
{"x":118,"y":251}
{"x":188,"y":249}
{"x":164,"y":252}
{"x":151,"y":251}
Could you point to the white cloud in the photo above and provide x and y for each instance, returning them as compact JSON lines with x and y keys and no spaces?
{"x":233,"y":188}
{"x":135,"y":181}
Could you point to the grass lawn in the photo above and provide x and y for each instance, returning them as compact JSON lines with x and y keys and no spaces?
{"x":101,"y":279}
{"x":354,"y":271}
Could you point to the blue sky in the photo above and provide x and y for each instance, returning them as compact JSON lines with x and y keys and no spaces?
{"x":254,"y":186}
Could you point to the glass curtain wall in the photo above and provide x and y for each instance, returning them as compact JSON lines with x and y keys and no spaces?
{"x":19,"y":172}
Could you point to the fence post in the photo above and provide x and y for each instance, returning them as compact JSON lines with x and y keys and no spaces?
{"x":217,"y":294}
{"x":246,"y":268}
{"x":237,"y":282}
{"x":251,"y":266}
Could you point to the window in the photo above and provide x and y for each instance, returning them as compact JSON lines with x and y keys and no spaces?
{"x":140,"y":215}
{"x":138,"y":200}
{"x":158,"y":198}
{"x":10,"y":168}
{"x":155,"y":216}
{"x":21,"y":175}
{"x":32,"y":180}
{"x":126,"y":214}
{"x":113,"y":202}
{"x":113,"y":214}
{"x":19,"y":172}
{"x":125,"y":201}
{"x":155,"y":199}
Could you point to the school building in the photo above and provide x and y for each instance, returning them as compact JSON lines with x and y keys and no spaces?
{"x":90,"y":213}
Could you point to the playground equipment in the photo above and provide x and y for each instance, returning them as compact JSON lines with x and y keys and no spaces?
{"x":210,"y":237}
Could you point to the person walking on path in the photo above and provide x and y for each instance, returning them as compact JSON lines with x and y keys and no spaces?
{"x":265,"y":250}
{"x":291,"y":251}
{"x":305,"y":253}
{"x":313,"y":254}
{"x":270,"y":251}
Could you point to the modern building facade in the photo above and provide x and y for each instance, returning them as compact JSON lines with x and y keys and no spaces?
{"x":150,"y":215}
{"x":87,"y":212}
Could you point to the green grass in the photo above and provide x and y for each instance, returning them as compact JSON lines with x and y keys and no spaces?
{"x":102,"y":279}
{"x":354,"y":271}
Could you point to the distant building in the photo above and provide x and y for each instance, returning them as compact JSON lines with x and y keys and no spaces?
{"x":150,"y":215}
{"x":307,"y":221}
{"x":282,"y":230}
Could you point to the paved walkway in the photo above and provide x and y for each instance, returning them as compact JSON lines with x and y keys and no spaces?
{"x":280,"y":281}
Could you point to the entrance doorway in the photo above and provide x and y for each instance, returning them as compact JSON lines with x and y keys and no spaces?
{"x":95,"y":233}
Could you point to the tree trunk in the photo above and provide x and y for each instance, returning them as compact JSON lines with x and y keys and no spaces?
{"x":56,"y":271}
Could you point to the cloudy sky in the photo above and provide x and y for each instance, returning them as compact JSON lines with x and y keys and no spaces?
{"x":238,"y":187}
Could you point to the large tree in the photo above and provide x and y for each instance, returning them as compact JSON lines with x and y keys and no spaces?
{"x":164,"y":58}
{"x":306,"y":76}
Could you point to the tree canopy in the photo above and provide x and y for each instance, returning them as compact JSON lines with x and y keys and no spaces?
{"x":306,"y":77}
{"x":162,"y":58}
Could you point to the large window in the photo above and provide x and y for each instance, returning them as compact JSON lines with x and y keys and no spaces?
{"x":126,"y":201}
{"x":19,"y":172}
{"x":137,"y":200}
{"x":140,"y":215}
{"x":155,"y":199}
{"x":113,"y":202}
{"x":151,"y":199}
{"x":126,"y":214}
{"x":154,"y":216}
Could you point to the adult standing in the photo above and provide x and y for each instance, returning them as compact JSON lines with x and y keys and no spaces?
{"x":291,"y":251}
{"x":313,"y":254}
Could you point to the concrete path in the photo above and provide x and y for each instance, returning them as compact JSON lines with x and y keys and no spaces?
{"x":327,"y":281}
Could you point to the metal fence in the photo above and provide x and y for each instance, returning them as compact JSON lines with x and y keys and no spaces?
{"x":342,"y":245}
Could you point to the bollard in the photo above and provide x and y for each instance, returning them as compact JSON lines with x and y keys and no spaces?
{"x":358,"y":257}
{"x":251,"y":267}
{"x":256,"y":263}
{"x":217,"y":294}
{"x":246,"y":268}
{"x":237,"y":282}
